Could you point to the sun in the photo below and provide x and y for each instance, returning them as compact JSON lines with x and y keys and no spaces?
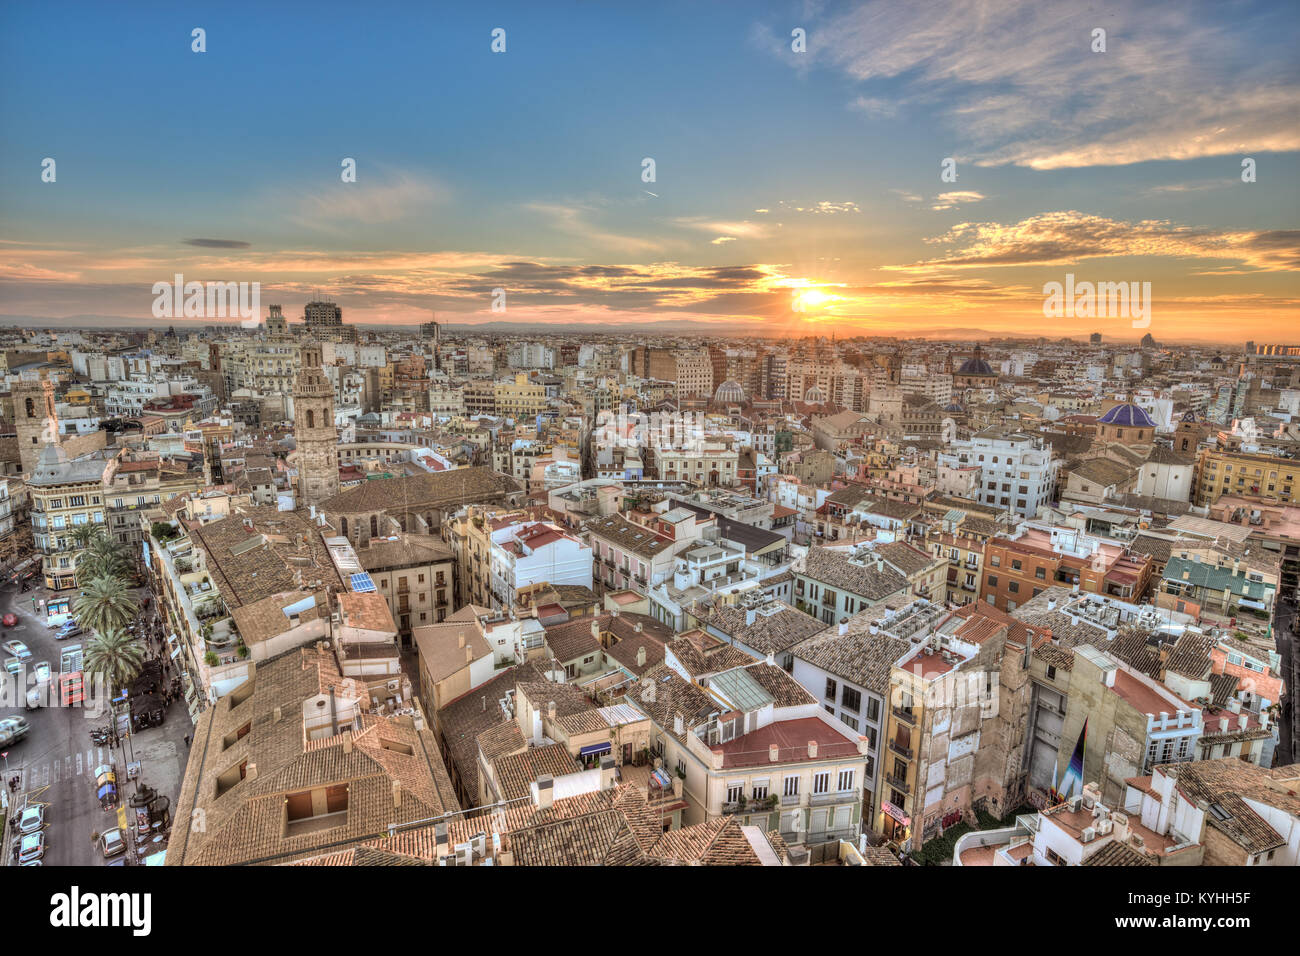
{"x":808,"y":300}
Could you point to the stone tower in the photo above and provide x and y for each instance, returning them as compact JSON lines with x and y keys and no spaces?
{"x":313,"y":430}
{"x":35,"y":419}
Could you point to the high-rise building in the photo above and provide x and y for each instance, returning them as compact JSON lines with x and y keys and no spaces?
{"x":322,"y":316}
{"x":313,"y":430}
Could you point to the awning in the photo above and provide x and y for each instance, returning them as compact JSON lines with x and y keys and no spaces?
{"x":595,"y":750}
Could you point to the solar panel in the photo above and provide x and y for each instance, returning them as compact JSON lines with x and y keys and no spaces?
{"x":361,"y":583}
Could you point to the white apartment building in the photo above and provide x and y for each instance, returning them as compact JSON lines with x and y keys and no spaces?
{"x":711,"y":461}
{"x":1017,"y":471}
{"x":533,"y":553}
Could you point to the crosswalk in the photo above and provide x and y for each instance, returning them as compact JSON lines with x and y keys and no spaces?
{"x":72,"y":765}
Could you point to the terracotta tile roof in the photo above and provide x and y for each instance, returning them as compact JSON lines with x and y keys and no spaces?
{"x":1228,"y":782}
{"x":858,"y":656}
{"x":423,"y":492}
{"x":832,"y":567}
{"x":1115,"y":853}
{"x":245,"y":821}
{"x":776,"y":626}
{"x":702,"y":654}
{"x":516,"y":772}
{"x":367,"y":611}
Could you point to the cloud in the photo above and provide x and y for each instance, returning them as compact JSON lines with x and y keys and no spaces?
{"x":374,"y":199}
{"x":576,"y":219}
{"x":957,"y":198}
{"x":217,"y":243}
{"x":731,"y":229}
{"x":1063,"y":238}
{"x":721,"y":239}
{"x":1016,"y":82}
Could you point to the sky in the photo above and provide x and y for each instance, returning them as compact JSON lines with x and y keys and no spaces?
{"x":794,"y":192}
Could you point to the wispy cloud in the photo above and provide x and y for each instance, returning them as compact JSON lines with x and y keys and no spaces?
{"x":1058,"y":238}
{"x":1017,"y":81}
{"x":952,"y":200}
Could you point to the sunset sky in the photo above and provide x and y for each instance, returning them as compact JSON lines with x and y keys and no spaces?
{"x":782,"y":178}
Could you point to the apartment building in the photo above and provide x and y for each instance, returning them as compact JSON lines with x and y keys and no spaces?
{"x":756,"y":746}
{"x":520,"y":399}
{"x":415,"y":574}
{"x":65,"y":494}
{"x":833,"y":584}
{"x":529,"y":556}
{"x":1020,"y":566}
{"x":636,"y":557}
{"x":1017,"y":471}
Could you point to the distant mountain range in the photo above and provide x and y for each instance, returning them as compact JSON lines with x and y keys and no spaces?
{"x":664,"y":326}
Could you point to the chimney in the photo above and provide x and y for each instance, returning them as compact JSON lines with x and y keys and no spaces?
{"x":550,"y":710}
{"x":460,"y":640}
{"x":812,"y":750}
{"x":595,"y":629}
{"x":1234,"y":705}
{"x":545,"y":791}
{"x":1051,"y":604}
{"x":347,"y":743}
{"x":637,"y":627}
{"x":606,"y":773}
{"x":844,"y":627}
{"x":442,"y":846}
{"x":750,"y":615}
{"x":1242,"y":720}
{"x":1223,"y":725}
{"x":250,"y":772}
{"x":640,"y":655}
{"x":773,"y":753}
{"x":677,"y":786}
{"x":537,"y":728}
{"x":679,"y":725}
{"x":397,"y":795}
{"x":469,"y":655}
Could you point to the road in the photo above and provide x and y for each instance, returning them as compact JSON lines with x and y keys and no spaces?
{"x":57,"y":760}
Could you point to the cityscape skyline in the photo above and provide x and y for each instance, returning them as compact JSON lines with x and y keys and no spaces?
{"x":793,"y":192}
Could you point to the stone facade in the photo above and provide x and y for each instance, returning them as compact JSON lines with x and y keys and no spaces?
{"x":314,"y":432}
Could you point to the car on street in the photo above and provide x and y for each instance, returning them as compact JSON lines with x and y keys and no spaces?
{"x":42,"y":672}
{"x":112,"y":843}
{"x":13,"y":729}
{"x":18,"y":649}
{"x":106,"y":787}
{"x":32,"y":819}
{"x":30,"y":847}
{"x":9,"y":620}
{"x":70,"y":629}
{"x":13,"y":665}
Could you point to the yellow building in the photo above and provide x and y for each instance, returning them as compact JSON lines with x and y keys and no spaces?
{"x":66,"y":494}
{"x":1242,"y":473}
{"x":520,"y":398}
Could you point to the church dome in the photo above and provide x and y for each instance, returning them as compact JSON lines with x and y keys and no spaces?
{"x":975,"y":366}
{"x":729,"y":392}
{"x":1128,"y":415}
{"x":814,"y":395}
{"x":954,"y":407}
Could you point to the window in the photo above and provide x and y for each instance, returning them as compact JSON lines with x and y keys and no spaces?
{"x":995,"y":561}
{"x":993,"y":581}
{"x":822,"y":782}
{"x":851,"y":699}
{"x":1015,"y":564}
{"x":760,"y":790}
{"x":1054,"y":858}
{"x":873,"y":709}
{"x":1013,"y":587}
{"x":846,"y":781}
{"x":1051,"y":672}
{"x":735,"y":791}
{"x":851,"y":722}
{"x":830,"y":689}
{"x":681,"y":767}
{"x":1040,"y":573}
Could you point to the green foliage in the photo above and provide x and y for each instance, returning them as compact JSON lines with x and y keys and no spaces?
{"x":210,"y":658}
{"x":115,"y":656}
{"x":105,"y":604}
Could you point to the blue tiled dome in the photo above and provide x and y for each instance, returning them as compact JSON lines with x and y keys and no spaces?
{"x":975,"y":366}
{"x":1128,"y":415}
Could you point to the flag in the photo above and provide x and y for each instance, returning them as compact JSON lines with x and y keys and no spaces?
{"x":1074,"y":772}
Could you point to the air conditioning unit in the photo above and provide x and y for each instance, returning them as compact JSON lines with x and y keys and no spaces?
{"x":1089,"y":834}
{"x":465,"y":854}
{"x":1105,"y":827}
{"x":393,"y":684}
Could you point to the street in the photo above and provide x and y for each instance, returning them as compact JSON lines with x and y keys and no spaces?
{"x":56,"y":761}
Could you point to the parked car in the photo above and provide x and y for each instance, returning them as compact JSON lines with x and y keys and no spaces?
{"x":112,"y":843}
{"x":30,"y":847}
{"x":18,"y":649}
{"x":13,"y":729}
{"x":71,"y":629}
{"x":42,"y":672}
{"x":9,"y":620}
{"x":32,"y":819}
{"x":13,"y":665}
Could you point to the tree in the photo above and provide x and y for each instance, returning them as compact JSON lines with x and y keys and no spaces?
{"x":105,"y":604}
{"x":115,"y":656}
{"x":104,"y":557}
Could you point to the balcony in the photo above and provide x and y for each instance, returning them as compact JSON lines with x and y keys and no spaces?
{"x":791,"y":800}
{"x":905,"y":715}
{"x":898,"y":783}
{"x":826,"y":799}
{"x":904,"y":752}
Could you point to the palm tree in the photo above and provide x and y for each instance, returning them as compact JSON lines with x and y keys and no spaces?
{"x":83,"y":534}
{"x":105,"y":604}
{"x":104,"y":557}
{"x":115,"y":656}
